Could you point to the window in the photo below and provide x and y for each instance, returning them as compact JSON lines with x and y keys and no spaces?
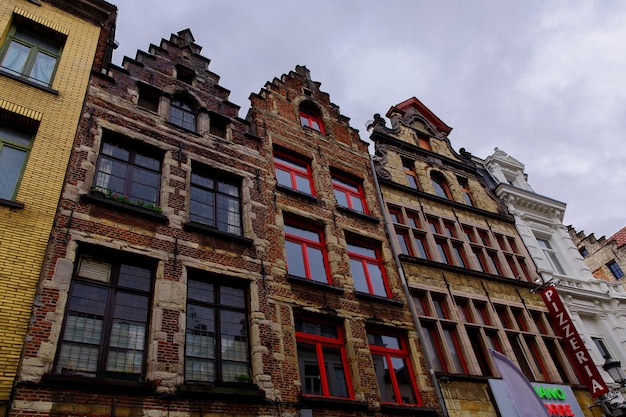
{"x":294,"y":173}
{"x":182,"y":114}
{"x":306,"y":252}
{"x":216,"y":341}
{"x":218,"y":125}
{"x":441,"y":338}
{"x":127,"y":169}
{"x":615,"y":270}
{"x":467,"y":195}
{"x":404,"y":242}
{"x":322,"y":360}
{"x":106,"y":320}
{"x":393,"y":369}
{"x":311,"y":118}
{"x":551,"y":256}
{"x":148,"y":98}
{"x":15,"y":145}
{"x":349,"y":194}
{"x":409,"y":174}
{"x":602,"y":348}
{"x":32,"y":53}
{"x":185,"y":74}
{"x":440,"y":185}
{"x":215,"y":201}
{"x":367,"y":270}
{"x":583,"y":252}
{"x":424,"y":142}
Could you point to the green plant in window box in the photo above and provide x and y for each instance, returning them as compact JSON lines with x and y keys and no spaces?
{"x":243,"y":378}
{"x":110,"y":195}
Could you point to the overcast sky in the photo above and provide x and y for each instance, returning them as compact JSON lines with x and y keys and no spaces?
{"x":544,"y":81}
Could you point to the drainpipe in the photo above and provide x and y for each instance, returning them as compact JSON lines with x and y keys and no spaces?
{"x":390,"y":236}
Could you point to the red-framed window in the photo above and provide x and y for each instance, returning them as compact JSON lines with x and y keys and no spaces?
{"x":422,"y":246}
{"x":479,"y":256}
{"x":367,"y":269}
{"x":396,"y":215}
{"x":349,"y":194}
{"x":322,"y":360}
{"x":494,"y":263}
{"x":424,"y":143}
{"x":414,"y":220}
{"x":440,"y":185}
{"x":394,"y":373}
{"x":294,"y":173}
{"x":482,"y":314}
{"x":311,"y":118}
{"x":451,"y":338}
{"x":306,"y":252}
{"x":459,"y":255}
{"x":410,"y":174}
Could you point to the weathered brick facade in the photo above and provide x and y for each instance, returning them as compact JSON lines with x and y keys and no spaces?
{"x":605,"y":257}
{"x":330,"y":150}
{"x":99,"y":228}
{"x":468,"y":271}
{"x":48,"y":114}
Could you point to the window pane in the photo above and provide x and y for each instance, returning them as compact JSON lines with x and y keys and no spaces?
{"x":135,"y":277}
{"x":11,"y":164}
{"x":43,"y":67}
{"x":303,"y":233}
{"x":234,"y":297}
{"x":376,"y":278}
{"x":295,"y":259}
{"x":283,"y":178}
{"x":317,"y":265}
{"x":403,"y":376}
{"x":309,"y":369}
{"x":337,"y":384}
{"x":303,"y":184}
{"x":341,"y":197}
{"x":15,"y":57}
{"x":358,"y":276}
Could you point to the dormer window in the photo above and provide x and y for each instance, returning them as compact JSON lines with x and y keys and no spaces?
{"x":311,"y":118}
{"x":182,"y":114}
{"x":218,"y":125}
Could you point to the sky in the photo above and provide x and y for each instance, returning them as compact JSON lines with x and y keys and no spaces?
{"x":544,"y":81}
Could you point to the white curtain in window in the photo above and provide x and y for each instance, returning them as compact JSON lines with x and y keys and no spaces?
{"x":15,"y":57}
{"x":43,"y":67}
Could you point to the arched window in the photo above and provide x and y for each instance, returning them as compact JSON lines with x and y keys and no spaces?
{"x":440,"y":185}
{"x":309,"y":117}
{"x":183,"y":114}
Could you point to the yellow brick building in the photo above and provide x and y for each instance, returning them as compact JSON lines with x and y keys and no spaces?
{"x":47,"y":52}
{"x":469,"y":274}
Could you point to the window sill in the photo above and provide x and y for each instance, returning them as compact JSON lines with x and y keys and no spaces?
{"x":204,"y":228}
{"x":396,"y":409}
{"x":315,"y":284}
{"x":98,"y":384}
{"x":358,"y":214}
{"x":28,"y":82}
{"x":297,"y":193}
{"x":378,"y":298}
{"x":334,"y":403}
{"x":240,"y":391}
{"x":101,"y":200}
{"x":11,"y":203}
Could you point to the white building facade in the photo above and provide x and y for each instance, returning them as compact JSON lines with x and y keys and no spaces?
{"x":597,"y":307}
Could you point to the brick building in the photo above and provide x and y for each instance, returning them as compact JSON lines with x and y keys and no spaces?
{"x":341,"y":337}
{"x":47,"y":51}
{"x":468,"y":271}
{"x":148,"y":300}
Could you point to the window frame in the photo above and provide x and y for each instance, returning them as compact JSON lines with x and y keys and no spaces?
{"x":351,"y":191}
{"x":400,"y":353}
{"x":366,"y":262}
{"x":551,"y":255}
{"x":319,"y":342}
{"x":41,"y":36}
{"x":465,"y":190}
{"x":295,"y":167}
{"x":219,"y":309}
{"x":305,"y":244}
{"x":440,"y":185}
{"x":311,"y":118}
{"x":217,"y":196}
{"x":113,"y":288}
{"x":6,"y":130}
{"x":134,"y":149}
{"x":410,"y":175}
{"x":615,"y":270}
{"x":183,"y":114}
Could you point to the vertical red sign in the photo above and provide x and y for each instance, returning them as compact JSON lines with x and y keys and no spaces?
{"x":578,"y":352}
